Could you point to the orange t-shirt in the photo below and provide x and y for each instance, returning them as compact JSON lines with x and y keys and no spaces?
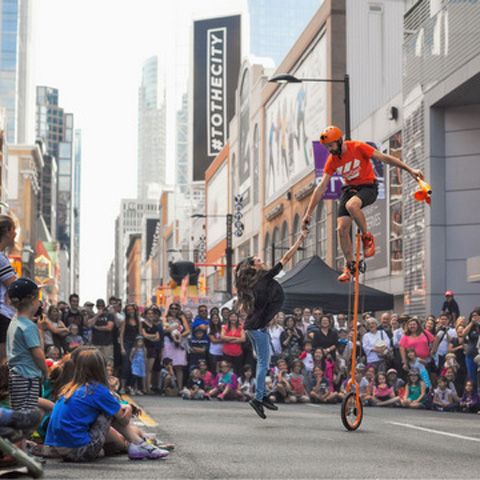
{"x":354,"y":166}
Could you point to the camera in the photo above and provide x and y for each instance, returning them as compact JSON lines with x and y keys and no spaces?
{"x":39,"y":312}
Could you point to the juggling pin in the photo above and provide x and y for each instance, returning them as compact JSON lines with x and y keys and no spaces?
{"x":424,"y":192}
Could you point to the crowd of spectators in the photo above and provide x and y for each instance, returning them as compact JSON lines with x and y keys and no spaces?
{"x":204,"y":354}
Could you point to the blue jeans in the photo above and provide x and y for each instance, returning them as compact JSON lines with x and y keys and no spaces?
{"x":472,"y":370}
{"x":261,"y":344}
{"x":126,"y":372}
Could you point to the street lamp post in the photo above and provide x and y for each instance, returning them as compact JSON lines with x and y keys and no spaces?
{"x":228,"y":249}
{"x":229,"y":254}
{"x":287,"y":78}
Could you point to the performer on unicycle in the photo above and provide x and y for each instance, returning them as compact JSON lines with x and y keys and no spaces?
{"x":261,"y":297}
{"x":351,"y":159}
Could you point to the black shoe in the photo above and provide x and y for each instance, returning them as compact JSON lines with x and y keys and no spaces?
{"x":267,"y":403}
{"x":25,"y":419}
{"x":258,"y":407}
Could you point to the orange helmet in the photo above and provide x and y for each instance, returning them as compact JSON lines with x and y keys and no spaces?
{"x":330,"y":134}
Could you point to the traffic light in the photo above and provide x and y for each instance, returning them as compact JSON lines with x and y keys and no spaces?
{"x":221,"y":271}
{"x":201,"y":282}
{"x":238,"y":215}
{"x":160,"y":298}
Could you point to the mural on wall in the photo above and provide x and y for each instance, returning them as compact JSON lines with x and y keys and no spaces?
{"x":294,"y":119}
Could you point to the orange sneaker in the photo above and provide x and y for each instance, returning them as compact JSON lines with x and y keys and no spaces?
{"x":368,"y":241}
{"x":346,"y":276}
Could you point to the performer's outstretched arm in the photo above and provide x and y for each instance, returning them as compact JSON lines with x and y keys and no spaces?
{"x":395,"y":162}
{"x":288,"y":256}
{"x":316,"y":197}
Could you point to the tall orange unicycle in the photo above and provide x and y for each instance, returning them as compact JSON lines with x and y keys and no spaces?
{"x":352,"y":408}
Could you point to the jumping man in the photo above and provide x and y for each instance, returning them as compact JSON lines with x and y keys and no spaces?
{"x":352,"y":160}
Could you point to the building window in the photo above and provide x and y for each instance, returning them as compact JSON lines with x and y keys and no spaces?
{"x":267,"y":249}
{"x":339,"y":258}
{"x":255,"y":245}
{"x":321,"y":230}
{"x":297,"y":226}
{"x":276,"y":255}
{"x":284,"y":242}
{"x":256,"y":165}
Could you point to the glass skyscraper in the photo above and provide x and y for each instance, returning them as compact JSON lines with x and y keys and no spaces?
{"x":181,"y":157}
{"x":56,"y":129}
{"x":275,"y":26}
{"x":16,"y":88}
{"x":8,"y":64}
{"x":151,"y":131}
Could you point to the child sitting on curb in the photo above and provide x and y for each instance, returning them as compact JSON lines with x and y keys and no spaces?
{"x":225,"y":383}
{"x":195,"y":389}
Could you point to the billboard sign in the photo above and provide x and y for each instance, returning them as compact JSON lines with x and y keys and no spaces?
{"x":216,"y":65}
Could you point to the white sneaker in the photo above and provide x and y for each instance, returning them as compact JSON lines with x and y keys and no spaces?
{"x":145,"y":450}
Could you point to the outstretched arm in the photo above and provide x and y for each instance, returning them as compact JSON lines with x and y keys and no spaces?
{"x":316,"y":197}
{"x":288,"y":256}
{"x":395,"y":162}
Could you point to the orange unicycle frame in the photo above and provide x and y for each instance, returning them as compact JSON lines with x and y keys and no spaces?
{"x":352,"y":408}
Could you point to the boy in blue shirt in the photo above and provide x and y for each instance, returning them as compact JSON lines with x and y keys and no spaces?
{"x":26,"y":358}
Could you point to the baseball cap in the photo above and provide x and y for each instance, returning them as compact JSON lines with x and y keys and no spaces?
{"x":392,"y":370}
{"x":449,"y":293}
{"x":22,"y":288}
{"x":88,"y":304}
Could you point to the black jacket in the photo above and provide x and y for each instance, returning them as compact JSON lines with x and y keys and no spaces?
{"x":269,"y":298}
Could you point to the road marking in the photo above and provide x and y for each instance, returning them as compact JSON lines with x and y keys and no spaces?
{"x":143,"y":417}
{"x":438,"y":432}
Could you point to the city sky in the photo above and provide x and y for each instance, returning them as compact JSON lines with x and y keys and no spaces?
{"x":93,"y":52}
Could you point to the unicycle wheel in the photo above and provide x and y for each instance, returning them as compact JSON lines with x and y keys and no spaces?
{"x":352,"y":414}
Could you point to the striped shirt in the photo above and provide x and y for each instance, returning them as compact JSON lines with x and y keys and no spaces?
{"x":6,"y":272}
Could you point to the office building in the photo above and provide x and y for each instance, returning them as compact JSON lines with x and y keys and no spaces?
{"x":181,"y":156}
{"x":151,"y":130}
{"x":16,"y":86}
{"x":129,"y":222}
{"x":275,"y":28}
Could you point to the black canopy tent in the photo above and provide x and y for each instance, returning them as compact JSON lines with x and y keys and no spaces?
{"x":312,"y":283}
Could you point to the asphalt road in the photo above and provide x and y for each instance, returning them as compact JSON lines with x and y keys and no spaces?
{"x":227,"y":440}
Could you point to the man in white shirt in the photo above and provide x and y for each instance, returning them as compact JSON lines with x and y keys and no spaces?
{"x":377,"y":346}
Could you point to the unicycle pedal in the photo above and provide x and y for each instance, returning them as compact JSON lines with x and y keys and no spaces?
{"x":352,"y":267}
{"x":362,"y":266}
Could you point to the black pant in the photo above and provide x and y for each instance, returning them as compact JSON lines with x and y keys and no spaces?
{"x":237,"y":363}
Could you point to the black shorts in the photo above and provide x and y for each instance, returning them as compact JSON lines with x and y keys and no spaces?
{"x":4,"y":323}
{"x":367,"y":193}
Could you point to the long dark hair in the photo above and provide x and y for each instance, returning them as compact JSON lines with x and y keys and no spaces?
{"x":246,"y":277}
{"x":215,"y":327}
{"x":90,"y":368}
